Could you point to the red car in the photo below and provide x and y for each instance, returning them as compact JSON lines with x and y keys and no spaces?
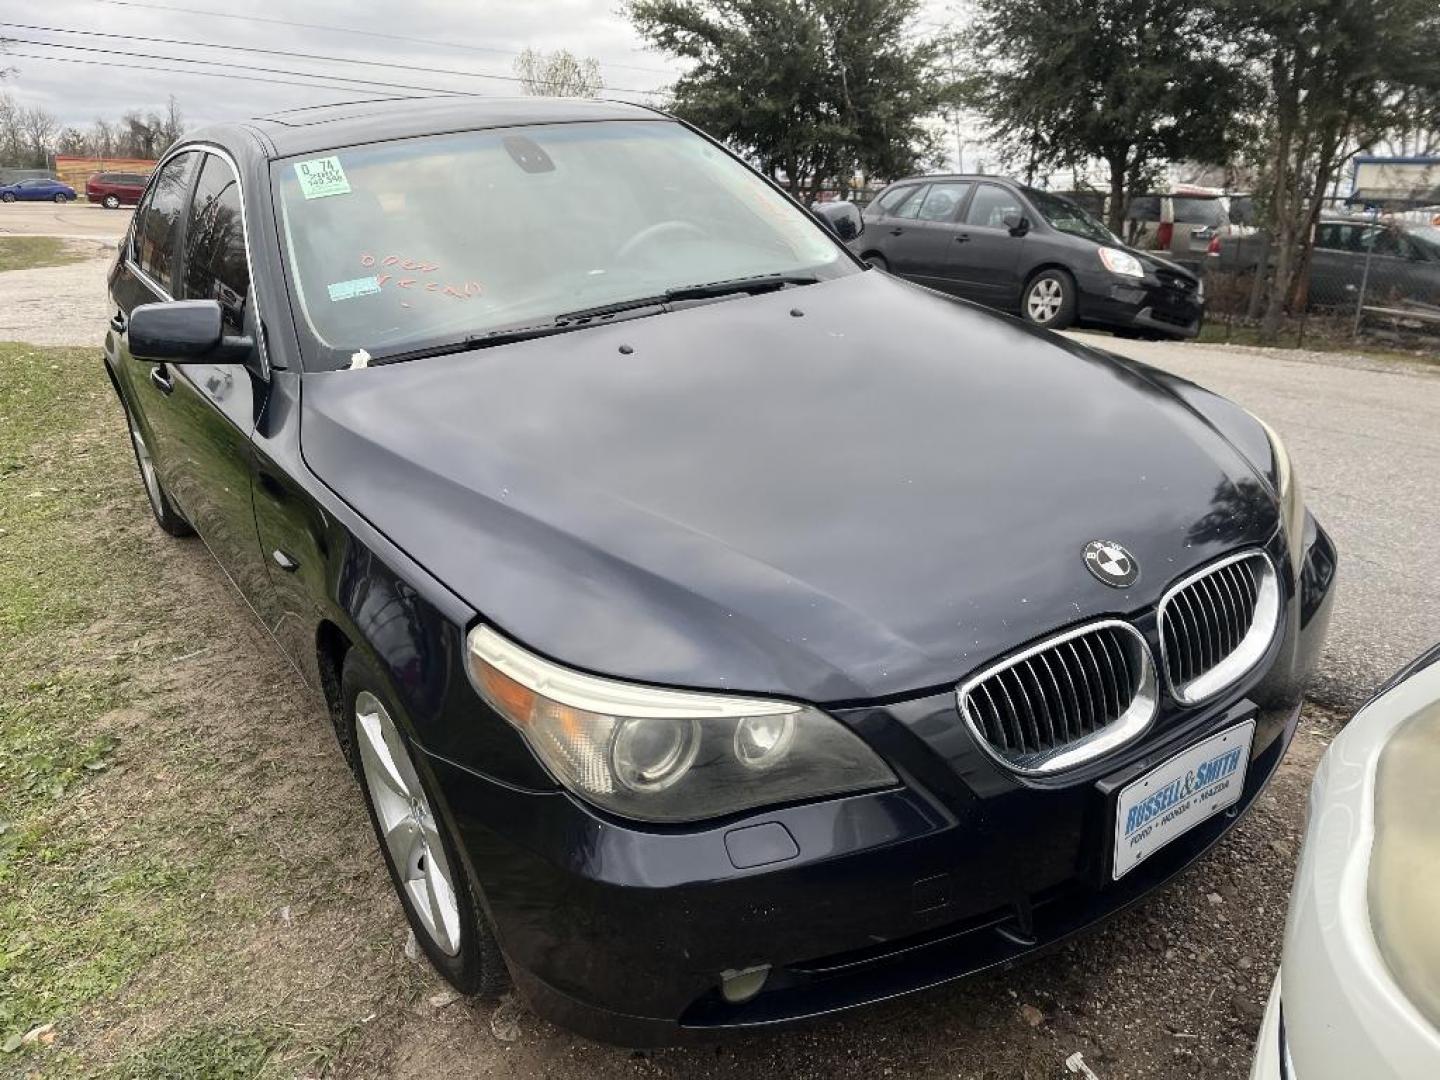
{"x":115,"y":189}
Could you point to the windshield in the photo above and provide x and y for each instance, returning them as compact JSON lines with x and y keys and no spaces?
{"x":1069,"y":217}
{"x":402,"y":245}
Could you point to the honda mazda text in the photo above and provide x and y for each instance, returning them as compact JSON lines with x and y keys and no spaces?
{"x":721,"y":632}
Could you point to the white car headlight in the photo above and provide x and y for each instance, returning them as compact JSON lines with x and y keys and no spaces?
{"x":1121,"y":262}
{"x":653,"y":754}
{"x":1292,"y":503}
{"x":1404,"y":885}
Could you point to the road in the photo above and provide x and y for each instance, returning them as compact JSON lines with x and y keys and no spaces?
{"x":74,"y":221}
{"x":1365,"y":439}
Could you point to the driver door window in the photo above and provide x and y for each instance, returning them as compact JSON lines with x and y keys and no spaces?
{"x":215,"y":264}
{"x":157,"y":227}
{"x":990,"y":205}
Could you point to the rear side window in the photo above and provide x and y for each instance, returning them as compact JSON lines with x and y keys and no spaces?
{"x":215,"y":263}
{"x":891,"y":200}
{"x":1199,"y":211}
{"x":158,"y":227}
{"x":942,"y":201}
{"x":990,"y":205}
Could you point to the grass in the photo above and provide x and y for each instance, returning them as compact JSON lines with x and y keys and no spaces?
{"x":188,"y":886}
{"x":1323,"y":340}
{"x":33,"y":252}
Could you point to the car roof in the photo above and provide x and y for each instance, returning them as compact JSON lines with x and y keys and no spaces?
{"x":957,"y":176}
{"x":323,"y":127}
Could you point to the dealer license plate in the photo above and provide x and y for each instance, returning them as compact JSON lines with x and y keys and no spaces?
{"x":1171,"y":799}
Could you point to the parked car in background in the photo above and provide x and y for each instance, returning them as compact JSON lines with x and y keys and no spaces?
{"x":1403,"y":260}
{"x":1018,"y":249}
{"x":37,"y":190}
{"x":1358,"y":993}
{"x":1187,"y":223}
{"x":116,"y":189}
{"x":722,"y":633}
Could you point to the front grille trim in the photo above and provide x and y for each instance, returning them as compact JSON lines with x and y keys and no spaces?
{"x":1218,"y":665}
{"x":1129,"y":725}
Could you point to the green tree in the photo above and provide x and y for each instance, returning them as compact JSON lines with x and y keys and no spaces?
{"x":1131,"y":83}
{"x":1339,"y":76}
{"x":811,"y":90}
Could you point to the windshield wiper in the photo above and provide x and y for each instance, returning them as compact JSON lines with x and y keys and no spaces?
{"x":578,"y":320}
{"x":758,"y":284}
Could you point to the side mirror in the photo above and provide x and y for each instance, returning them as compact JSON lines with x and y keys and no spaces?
{"x":184,"y":331}
{"x":841,"y":218}
{"x":1018,"y":224}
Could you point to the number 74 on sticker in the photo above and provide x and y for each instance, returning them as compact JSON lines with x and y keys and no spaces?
{"x":320,"y":177}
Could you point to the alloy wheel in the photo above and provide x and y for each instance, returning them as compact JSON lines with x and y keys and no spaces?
{"x":1045,"y":300}
{"x":407,"y":823}
{"x":147,"y":470}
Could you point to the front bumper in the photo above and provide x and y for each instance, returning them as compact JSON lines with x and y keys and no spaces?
{"x":622,"y":932}
{"x":1148,"y":305}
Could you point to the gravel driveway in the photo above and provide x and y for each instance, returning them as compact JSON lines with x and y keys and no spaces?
{"x":1365,"y":438}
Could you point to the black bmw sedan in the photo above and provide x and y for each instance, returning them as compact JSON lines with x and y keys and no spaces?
{"x":1030,"y":252}
{"x":722,"y":633}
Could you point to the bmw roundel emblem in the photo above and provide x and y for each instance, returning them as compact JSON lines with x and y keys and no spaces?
{"x":1111,"y":563}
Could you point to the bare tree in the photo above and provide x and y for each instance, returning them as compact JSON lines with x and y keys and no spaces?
{"x":40,"y":128}
{"x":101,"y":140}
{"x":558,"y":74}
{"x":171,"y":126}
{"x":12,"y":138}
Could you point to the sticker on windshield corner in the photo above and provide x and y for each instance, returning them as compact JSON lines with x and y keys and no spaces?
{"x":321,"y":177}
{"x":348,"y":290}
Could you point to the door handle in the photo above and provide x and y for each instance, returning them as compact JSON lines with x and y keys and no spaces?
{"x":963,"y":238}
{"x":161,"y":379}
{"x":284,"y":561}
{"x":896,"y":232}
{"x":117,"y":322}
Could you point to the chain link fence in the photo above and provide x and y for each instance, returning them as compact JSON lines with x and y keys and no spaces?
{"x":1370,"y":274}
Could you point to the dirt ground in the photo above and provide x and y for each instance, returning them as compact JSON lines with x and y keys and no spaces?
{"x":189,"y":887}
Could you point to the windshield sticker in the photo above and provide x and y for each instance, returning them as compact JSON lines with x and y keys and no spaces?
{"x":322,"y":177}
{"x":348,"y":290}
{"x":416,"y":278}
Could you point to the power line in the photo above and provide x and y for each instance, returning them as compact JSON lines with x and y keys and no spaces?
{"x":384,"y":85}
{"x":204,"y":74}
{"x":351,"y":30}
{"x":283,"y":52}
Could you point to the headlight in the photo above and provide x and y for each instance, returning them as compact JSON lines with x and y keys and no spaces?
{"x":1404,"y":880}
{"x":668,"y":755}
{"x":1121,"y":262}
{"x":1292,"y":503}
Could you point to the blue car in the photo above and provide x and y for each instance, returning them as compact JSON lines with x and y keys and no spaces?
{"x":45,"y":190}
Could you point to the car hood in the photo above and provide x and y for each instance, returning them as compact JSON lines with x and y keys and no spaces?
{"x":839,"y":492}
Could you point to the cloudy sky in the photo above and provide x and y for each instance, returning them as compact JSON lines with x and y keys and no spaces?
{"x":425,"y":38}
{"x":81,"y":59}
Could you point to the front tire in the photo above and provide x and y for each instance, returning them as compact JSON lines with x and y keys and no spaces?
{"x":166,"y":516}
{"x":110,"y":202}
{"x":424,"y":862}
{"x":1049,"y":300}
